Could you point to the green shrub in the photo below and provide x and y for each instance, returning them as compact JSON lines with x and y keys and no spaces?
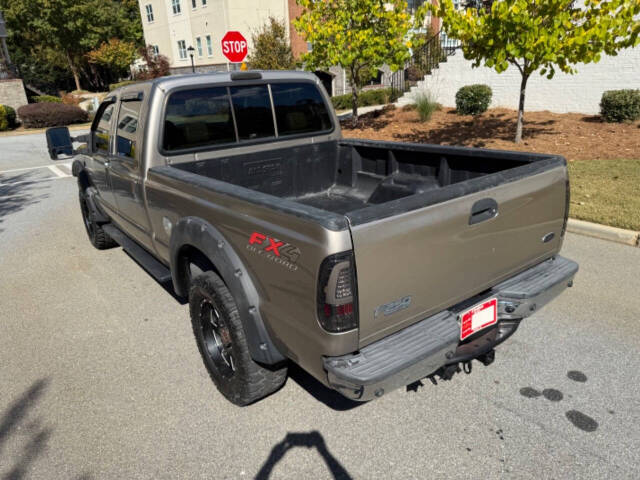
{"x":47,"y":98}
{"x":113,"y":86}
{"x":38,"y":115}
{"x":473,"y":99}
{"x":426,"y":105}
{"x":7,"y":118}
{"x":379,"y":96}
{"x":620,"y":105}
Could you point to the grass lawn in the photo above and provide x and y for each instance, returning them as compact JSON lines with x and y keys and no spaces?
{"x":606,"y":191}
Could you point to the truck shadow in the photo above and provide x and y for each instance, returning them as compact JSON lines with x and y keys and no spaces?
{"x":38,"y":436}
{"x":293,"y":440}
{"x":17,"y":194}
{"x":330,"y":398}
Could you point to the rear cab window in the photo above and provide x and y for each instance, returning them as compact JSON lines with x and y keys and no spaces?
{"x":198,"y":118}
{"x":102,"y":132}
{"x":127,"y":127}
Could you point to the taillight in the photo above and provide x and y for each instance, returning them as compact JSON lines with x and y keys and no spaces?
{"x":337,"y":293}
{"x":567,"y":203}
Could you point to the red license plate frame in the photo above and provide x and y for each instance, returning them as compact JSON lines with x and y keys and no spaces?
{"x":478,"y":317}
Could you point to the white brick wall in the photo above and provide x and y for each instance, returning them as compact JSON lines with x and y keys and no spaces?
{"x":564,"y":93}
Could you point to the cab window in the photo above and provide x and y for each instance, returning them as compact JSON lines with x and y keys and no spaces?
{"x":102,"y":133}
{"x":127,"y":128}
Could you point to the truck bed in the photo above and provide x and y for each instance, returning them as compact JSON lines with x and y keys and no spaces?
{"x":442,"y":224}
{"x":356,"y":178}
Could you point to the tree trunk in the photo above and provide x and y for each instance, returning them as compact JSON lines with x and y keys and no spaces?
{"x":523,"y":87}
{"x":74,"y":71}
{"x":354,"y":105}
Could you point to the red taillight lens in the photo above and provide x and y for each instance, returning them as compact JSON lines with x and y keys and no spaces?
{"x":336,"y":293}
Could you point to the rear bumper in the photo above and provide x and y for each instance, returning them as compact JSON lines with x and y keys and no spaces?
{"x":421,"y":349}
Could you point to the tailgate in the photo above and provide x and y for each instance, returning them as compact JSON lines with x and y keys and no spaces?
{"x":417,"y":263}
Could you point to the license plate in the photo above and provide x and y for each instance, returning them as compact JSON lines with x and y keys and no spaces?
{"x":479,"y":317}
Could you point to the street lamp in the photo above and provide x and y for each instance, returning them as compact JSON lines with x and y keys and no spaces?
{"x":191,"y":50}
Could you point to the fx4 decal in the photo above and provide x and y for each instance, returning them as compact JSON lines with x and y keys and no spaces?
{"x":274,"y":250}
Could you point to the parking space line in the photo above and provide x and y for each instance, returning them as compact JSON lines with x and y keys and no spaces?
{"x":24,"y":169}
{"x":58,"y":172}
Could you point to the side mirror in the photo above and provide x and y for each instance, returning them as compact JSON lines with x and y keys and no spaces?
{"x":59,"y":141}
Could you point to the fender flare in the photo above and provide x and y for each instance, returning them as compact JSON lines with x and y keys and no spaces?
{"x":89,"y":192}
{"x":200,"y":234}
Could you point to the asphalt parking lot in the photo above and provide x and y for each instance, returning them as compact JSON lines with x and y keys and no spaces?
{"x":100,"y":376}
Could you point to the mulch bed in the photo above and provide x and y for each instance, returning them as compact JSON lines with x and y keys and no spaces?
{"x":573,"y":135}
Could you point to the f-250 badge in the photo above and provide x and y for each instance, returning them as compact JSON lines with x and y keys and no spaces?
{"x":393,"y":307}
{"x":274,"y":250}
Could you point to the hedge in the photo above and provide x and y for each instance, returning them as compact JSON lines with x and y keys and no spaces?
{"x":7,"y":118}
{"x":38,"y":115}
{"x":379,"y":96}
{"x":620,"y":105}
{"x":47,"y":99}
{"x":473,"y":99}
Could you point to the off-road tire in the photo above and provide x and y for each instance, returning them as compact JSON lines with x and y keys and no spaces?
{"x":97,"y":236}
{"x":224,"y":349}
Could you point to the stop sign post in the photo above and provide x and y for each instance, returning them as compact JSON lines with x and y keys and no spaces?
{"x":234,"y":47}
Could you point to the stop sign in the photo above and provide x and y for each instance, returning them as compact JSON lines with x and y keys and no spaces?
{"x":234,"y":46}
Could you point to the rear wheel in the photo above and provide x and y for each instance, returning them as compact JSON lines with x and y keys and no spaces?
{"x":223,"y":345}
{"x":97,"y":235}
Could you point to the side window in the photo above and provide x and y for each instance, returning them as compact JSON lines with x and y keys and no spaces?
{"x":102,"y":133}
{"x":299,"y":108}
{"x":127,"y":127}
{"x":196,"y":118}
{"x":252,"y":108}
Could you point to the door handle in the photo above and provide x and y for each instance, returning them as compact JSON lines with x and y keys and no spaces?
{"x":483,"y":210}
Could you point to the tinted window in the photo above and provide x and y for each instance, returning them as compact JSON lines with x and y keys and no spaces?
{"x":252,"y":108}
{"x":196,"y":118}
{"x":299,"y":108}
{"x":127,"y":128}
{"x":101,"y":134}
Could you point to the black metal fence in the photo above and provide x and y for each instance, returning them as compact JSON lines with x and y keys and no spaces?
{"x":8,"y":71}
{"x":423,"y":61}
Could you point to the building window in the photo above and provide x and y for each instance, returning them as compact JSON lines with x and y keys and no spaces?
{"x":194,"y":4}
{"x":149,"y":10}
{"x":175,"y":5}
{"x":204,"y":3}
{"x":156,"y":50}
{"x":199,"y":46}
{"x":209,"y":46}
{"x":182,"y":49}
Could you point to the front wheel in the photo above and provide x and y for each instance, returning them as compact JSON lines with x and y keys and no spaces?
{"x":223,"y":345}
{"x":97,"y":235}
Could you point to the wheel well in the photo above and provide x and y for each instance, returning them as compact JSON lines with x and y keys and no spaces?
{"x":189,"y":256}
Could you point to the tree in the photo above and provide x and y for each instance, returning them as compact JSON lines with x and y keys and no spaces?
{"x":540,"y":35}
{"x":271,"y":50}
{"x":114,"y":54}
{"x":51,"y":31}
{"x":156,"y":65}
{"x":357,"y":35}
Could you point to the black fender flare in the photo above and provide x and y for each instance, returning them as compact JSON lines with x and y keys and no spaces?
{"x":200,"y":234}
{"x":89,"y":192}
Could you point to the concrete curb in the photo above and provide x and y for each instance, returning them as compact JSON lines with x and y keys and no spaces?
{"x":603,"y":232}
